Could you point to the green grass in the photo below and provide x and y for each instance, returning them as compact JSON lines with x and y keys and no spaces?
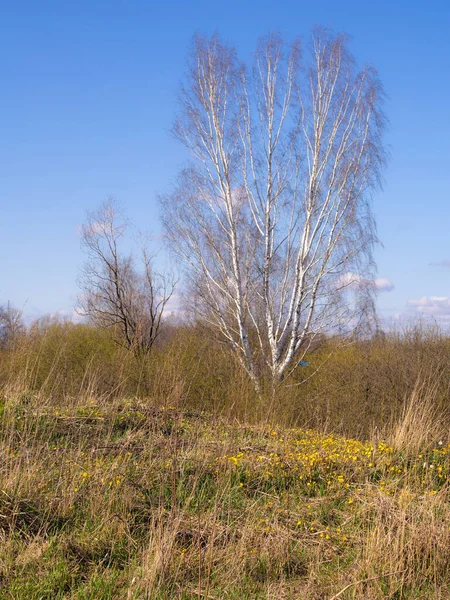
{"x":123,"y":500}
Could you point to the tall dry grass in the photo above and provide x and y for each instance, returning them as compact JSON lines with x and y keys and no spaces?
{"x":423,"y":420}
{"x":357,"y":389}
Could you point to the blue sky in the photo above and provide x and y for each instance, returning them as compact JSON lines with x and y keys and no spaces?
{"x":88,"y":97}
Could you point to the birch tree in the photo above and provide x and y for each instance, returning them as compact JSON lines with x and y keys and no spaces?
{"x":272,"y":217}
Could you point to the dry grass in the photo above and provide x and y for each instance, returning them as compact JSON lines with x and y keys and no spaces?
{"x":156,"y":480}
{"x":360,"y":388}
{"x":421,"y":422}
{"x":111,"y":499}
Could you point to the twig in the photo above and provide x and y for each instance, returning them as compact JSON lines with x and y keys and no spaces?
{"x":365,"y":581}
{"x":202,"y":594}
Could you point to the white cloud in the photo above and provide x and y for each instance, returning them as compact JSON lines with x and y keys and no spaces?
{"x":174,"y":307}
{"x":350,"y":280}
{"x":443,"y":263}
{"x":95,"y":227}
{"x":384,"y":285}
{"x":67,"y":315}
{"x":437,"y":307}
{"x":353,"y":281}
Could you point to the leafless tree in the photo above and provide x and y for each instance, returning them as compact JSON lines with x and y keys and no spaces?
{"x":272,"y":218}
{"x":11,"y":325}
{"x":115,"y":293}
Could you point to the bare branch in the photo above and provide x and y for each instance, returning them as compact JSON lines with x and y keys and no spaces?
{"x":115,"y":294}
{"x":275,"y":207}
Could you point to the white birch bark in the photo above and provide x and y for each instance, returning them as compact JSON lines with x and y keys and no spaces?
{"x":274,"y":210}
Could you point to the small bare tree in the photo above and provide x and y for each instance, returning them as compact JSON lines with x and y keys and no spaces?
{"x":11,"y":325}
{"x":115,"y":294}
{"x":272,"y":218}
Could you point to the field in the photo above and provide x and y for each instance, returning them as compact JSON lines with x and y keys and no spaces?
{"x":125,"y":500}
{"x":170,"y":479}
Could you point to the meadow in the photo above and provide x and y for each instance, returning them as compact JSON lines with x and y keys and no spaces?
{"x":168,"y":478}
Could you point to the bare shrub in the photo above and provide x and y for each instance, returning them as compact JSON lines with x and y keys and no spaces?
{"x":116,"y":295}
